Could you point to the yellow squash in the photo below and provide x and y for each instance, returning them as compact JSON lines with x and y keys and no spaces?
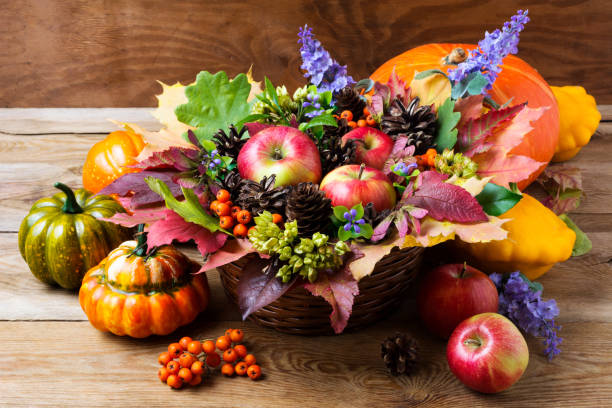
{"x":579,"y":119}
{"x":537,"y":239}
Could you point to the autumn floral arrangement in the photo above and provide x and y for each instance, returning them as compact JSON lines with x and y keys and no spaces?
{"x":324,"y":182}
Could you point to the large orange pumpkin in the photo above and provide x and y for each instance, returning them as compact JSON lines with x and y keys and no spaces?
{"x":138,"y":294}
{"x":518,"y":80}
{"x":107,"y":159}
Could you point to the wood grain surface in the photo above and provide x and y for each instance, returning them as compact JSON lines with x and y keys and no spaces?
{"x":49,"y":346}
{"x":96,"y":53}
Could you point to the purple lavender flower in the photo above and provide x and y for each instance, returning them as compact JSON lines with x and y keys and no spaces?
{"x":522,"y":303}
{"x":323,"y":71}
{"x":487,"y":58}
{"x":403,"y":169}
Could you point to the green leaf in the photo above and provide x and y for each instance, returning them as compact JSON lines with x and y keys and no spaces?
{"x":477,"y":84}
{"x":190,"y":209}
{"x":208,"y":145}
{"x":359,"y":209}
{"x":446,"y":135}
{"x":583,"y":244}
{"x":326,"y":119}
{"x":339,"y":212}
{"x":366,"y":84}
{"x":271,"y":92}
{"x":215,"y":102}
{"x":496,"y":200}
{"x":251,"y":118}
{"x":429,"y":72}
{"x":366,"y":231}
{"x":344,"y":235}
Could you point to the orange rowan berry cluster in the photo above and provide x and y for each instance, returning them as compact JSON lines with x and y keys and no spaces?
{"x":231,"y":217}
{"x":427,"y":159}
{"x":187,"y":361}
{"x":365,"y":120}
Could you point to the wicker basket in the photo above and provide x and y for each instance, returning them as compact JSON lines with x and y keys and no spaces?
{"x":299,"y":312}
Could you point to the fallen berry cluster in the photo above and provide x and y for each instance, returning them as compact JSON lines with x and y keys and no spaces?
{"x":187,"y":361}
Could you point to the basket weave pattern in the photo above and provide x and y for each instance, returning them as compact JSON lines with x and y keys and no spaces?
{"x":299,"y":312}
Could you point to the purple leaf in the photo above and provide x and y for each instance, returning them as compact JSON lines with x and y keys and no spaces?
{"x":254,"y":127}
{"x":257,"y":289}
{"x":379,"y":99}
{"x":563,"y":184}
{"x":339,"y":290}
{"x":179,"y":158}
{"x":444,"y":201}
{"x":231,"y":251}
{"x":401,"y":223}
{"x":398,"y":89}
{"x":134,"y":183}
{"x":473,"y":136}
{"x":137,"y":217}
{"x":174,"y":228}
{"x":380,"y":231}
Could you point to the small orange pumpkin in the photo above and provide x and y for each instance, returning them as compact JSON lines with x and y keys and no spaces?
{"x":107,"y":160}
{"x":518,"y":81}
{"x":138,"y":294}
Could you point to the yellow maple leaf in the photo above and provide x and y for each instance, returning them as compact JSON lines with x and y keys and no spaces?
{"x":434,"y":232}
{"x":155,"y":141}
{"x":435,"y":88}
{"x":255,"y":85}
{"x":171,"y":97}
{"x":473,"y":185}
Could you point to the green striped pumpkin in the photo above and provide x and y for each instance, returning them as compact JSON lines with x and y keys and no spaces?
{"x":62,"y":237}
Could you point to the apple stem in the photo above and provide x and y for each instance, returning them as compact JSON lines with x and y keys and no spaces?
{"x":277,"y":154}
{"x":462,"y":274}
{"x":361,"y":168}
{"x":472,"y":342}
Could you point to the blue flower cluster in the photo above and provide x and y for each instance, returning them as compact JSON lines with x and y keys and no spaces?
{"x":313,"y":100}
{"x":214,"y":159}
{"x":323,"y":71}
{"x":487,"y":58}
{"x":350,"y":216}
{"x":403,"y":169}
{"x":524,"y":306}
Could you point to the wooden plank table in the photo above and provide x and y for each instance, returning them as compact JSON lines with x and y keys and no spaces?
{"x":51,"y":355}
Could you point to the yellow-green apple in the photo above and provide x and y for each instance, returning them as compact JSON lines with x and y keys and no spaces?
{"x":449,"y":294}
{"x":284,"y":151}
{"x":373,"y":147}
{"x":353,"y":184}
{"x":487,"y":353}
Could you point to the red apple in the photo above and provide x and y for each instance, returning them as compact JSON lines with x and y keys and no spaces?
{"x":284,"y":151}
{"x":353,"y":184}
{"x":373,"y":146}
{"x":487,"y":353}
{"x":450,"y":294}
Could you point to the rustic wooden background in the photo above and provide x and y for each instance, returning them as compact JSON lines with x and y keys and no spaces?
{"x":103,"y":53}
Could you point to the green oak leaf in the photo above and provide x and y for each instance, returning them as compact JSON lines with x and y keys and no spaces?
{"x":446,"y":135}
{"x":215,"y":102}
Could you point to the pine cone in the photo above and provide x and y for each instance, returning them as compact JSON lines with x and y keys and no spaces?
{"x":333,"y":153}
{"x":349,"y":99}
{"x":416,"y":122}
{"x":309,"y":207}
{"x":263,"y":196}
{"x":399,"y":353}
{"x":234,"y":183}
{"x":229,"y":144}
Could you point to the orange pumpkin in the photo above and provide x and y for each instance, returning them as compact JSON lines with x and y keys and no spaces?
{"x":518,"y":80}
{"x":137,"y":294}
{"x":107,"y":159}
